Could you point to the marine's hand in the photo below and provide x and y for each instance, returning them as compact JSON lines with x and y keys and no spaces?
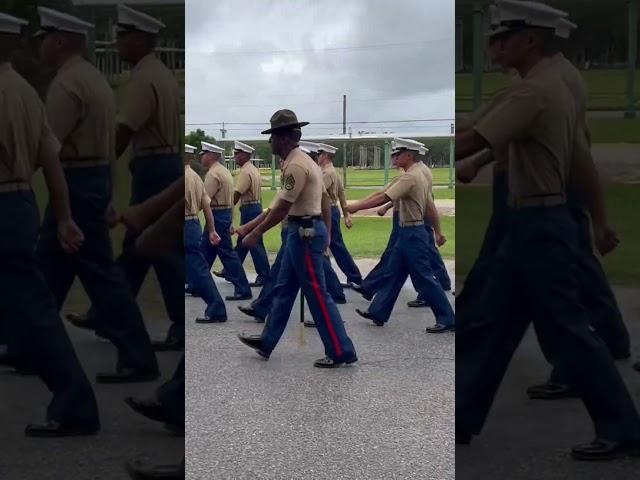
{"x":112,"y":217}
{"x":70,"y":236}
{"x":214,"y":238}
{"x":347,"y":221}
{"x":606,"y":239}
{"x":250,"y":241}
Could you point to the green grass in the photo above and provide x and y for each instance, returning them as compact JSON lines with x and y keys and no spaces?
{"x":473,"y":208}
{"x":366,"y":239}
{"x":357,"y":177}
{"x":614,"y":130}
{"x":606,"y":89}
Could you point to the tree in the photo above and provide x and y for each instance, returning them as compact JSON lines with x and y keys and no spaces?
{"x":195,"y":138}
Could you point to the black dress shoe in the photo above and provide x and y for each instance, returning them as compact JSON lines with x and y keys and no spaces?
{"x":636,"y":366}
{"x":220,"y":274}
{"x":257,"y":283}
{"x":81,"y":320}
{"x":621,"y":355}
{"x":345,"y":285}
{"x":368,"y":316}
{"x":232,"y":298}
{"x":17,"y":364}
{"x":339,"y":301}
{"x":463,"y":438}
{"x":252,"y":313}
{"x":210,"y":320}
{"x":255,"y":342}
{"x":417,"y":304}
{"x":7,"y":360}
{"x":192,"y":293}
{"x":127,"y":375}
{"x":357,"y":288}
{"x":601,"y":449}
{"x":309,"y":323}
{"x":150,"y":408}
{"x":327,"y":362}
{"x":139,"y":470}
{"x":440,"y":328}
{"x":53,"y":429}
{"x":551,"y":391}
{"x":171,"y":344}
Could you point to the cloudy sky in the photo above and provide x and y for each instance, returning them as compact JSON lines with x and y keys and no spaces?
{"x":394,"y":59}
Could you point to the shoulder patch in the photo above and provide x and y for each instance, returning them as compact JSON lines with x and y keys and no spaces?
{"x":289,"y":182}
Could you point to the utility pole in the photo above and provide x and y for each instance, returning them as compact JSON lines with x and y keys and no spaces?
{"x":344,"y":145}
{"x":223,"y":131}
{"x":452,"y":167}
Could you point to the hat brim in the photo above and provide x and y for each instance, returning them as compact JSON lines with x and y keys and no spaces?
{"x":284,"y":127}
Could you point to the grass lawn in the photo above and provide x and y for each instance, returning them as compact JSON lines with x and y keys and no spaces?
{"x":606,"y":88}
{"x":368,"y":237}
{"x":472,"y":210}
{"x":614,"y":130}
{"x":367,"y":178}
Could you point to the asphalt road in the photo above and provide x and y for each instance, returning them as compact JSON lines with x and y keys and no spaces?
{"x":124,"y":434}
{"x":390,"y":416}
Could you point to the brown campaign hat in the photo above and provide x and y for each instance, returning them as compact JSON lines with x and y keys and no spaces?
{"x":284,"y":119}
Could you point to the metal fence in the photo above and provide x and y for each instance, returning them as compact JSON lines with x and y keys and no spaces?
{"x":107,"y":58}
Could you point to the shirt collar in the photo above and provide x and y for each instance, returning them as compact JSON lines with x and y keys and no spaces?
{"x":74,"y":59}
{"x":538,"y":68}
{"x":144,"y":60}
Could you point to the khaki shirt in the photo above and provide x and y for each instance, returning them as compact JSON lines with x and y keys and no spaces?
{"x":572,"y":78}
{"x":26,"y":140}
{"x":195,"y":197}
{"x":334,"y":185}
{"x":152,"y":108}
{"x":218,"y":183}
{"x":409,"y":193}
{"x":537,"y":119}
{"x":82,"y":112}
{"x":301,"y":184}
{"x":426,"y":171}
{"x":249,"y":184}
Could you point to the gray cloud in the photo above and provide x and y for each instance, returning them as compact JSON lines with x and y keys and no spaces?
{"x":393,"y":59}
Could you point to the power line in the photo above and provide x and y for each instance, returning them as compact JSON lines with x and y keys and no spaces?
{"x":314,"y":50}
{"x":317,"y":102}
{"x":330,"y":123}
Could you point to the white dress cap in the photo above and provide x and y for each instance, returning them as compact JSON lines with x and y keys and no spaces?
{"x":400,"y":144}
{"x":564,"y":28}
{"x":54,"y":21}
{"x":133,"y":20}
{"x":242,"y":147}
{"x":210,"y":147}
{"x":189,"y":148}
{"x":312,"y":147}
{"x":518,"y":14}
{"x":12,"y":25}
{"x":323,"y":147}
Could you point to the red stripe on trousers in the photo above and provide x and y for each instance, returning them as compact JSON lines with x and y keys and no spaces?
{"x":323,"y":305}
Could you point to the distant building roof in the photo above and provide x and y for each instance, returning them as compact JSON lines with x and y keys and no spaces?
{"x":88,"y":3}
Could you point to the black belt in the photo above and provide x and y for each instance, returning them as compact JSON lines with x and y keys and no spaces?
{"x":14,"y":186}
{"x":545,"y":200}
{"x":302,"y":218}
